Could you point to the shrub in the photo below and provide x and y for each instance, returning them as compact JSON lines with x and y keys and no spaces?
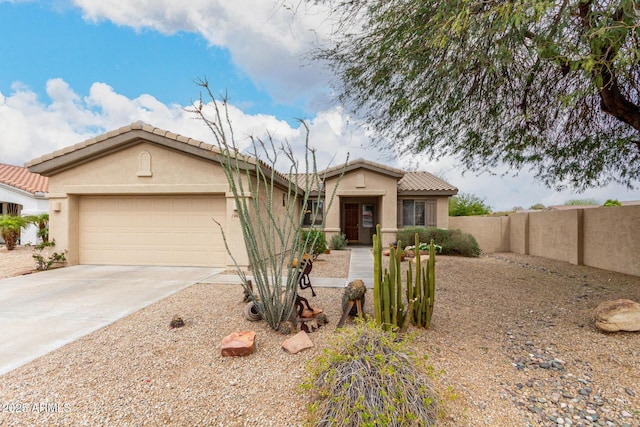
{"x":339,"y":241}
{"x":612,"y":202}
{"x":10,"y":226}
{"x":453,"y":242}
{"x":315,"y":240}
{"x":368,"y":378}
{"x":43,"y":263}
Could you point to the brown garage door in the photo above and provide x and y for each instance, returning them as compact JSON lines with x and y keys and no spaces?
{"x":152,"y":230}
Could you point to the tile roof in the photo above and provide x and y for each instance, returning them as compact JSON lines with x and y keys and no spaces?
{"x":423,"y":181}
{"x":20,"y":177}
{"x":362,"y":163}
{"x":139,"y":125}
{"x":411,"y":182}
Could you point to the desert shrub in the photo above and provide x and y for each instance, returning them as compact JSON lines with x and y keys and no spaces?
{"x":368,"y":378}
{"x":316,"y":241}
{"x":453,"y":242}
{"x":43,"y":263}
{"x":339,"y":241}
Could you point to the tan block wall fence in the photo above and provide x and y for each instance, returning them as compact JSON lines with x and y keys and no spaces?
{"x":605,"y":237}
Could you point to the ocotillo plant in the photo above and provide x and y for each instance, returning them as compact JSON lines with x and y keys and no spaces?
{"x":272,"y":233}
{"x":422,"y":290}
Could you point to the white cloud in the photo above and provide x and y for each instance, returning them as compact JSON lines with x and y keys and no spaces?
{"x":267,"y":39}
{"x":30,"y":128}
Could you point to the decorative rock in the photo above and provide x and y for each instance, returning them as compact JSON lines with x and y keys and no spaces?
{"x":239,"y":344}
{"x":618,"y":315}
{"x":176,"y":322}
{"x":297,"y":343}
{"x":424,"y":259}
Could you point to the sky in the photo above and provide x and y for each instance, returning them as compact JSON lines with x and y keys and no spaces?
{"x":74,"y":69}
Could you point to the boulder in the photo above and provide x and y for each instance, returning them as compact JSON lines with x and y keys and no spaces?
{"x":297,"y":343}
{"x":618,"y":315}
{"x":424,"y":259}
{"x":239,"y":344}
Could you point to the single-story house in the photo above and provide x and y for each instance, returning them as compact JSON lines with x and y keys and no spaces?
{"x":142,"y":195}
{"x":23,"y":193}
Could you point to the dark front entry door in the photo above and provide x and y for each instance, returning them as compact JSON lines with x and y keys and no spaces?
{"x":351,"y":224}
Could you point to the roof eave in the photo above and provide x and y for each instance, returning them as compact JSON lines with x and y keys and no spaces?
{"x":440,"y":192}
{"x":360,"y":164}
{"x":60,"y":161}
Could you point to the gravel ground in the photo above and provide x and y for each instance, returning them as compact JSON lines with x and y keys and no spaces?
{"x":512,"y":342}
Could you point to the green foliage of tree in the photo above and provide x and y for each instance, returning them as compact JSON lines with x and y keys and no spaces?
{"x":465,"y":204}
{"x":612,"y":202}
{"x":537,"y":206}
{"x":581,"y":202}
{"x":550,"y":85}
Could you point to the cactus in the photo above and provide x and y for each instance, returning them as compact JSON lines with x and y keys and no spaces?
{"x":423,"y":287}
{"x":388,"y":301}
{"x":387,"y":287}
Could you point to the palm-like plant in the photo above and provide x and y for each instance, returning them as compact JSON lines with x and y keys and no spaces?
{"x":10,"y":226}
{"x":42,"y":222}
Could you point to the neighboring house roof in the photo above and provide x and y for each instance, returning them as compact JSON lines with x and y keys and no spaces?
{"x":630,"y":203}
{"x":20,"y":177}
{"x":419,"y":182}
{"x":569,"y":207}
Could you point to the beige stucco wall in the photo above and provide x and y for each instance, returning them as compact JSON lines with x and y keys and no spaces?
{"x":555,"y":234}
{"x":491,"y":233}
{"x":604,"y":237}
{"x":364,"y":183}
{"x":442,"y":219}
{"x":612,"y":238}
{"x":117,"y":173}
{"x":519,"y":233}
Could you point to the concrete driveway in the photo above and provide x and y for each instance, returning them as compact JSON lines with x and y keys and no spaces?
{"x":44,"y":311}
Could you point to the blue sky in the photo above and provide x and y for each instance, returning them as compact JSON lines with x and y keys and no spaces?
{"x":72,"y":69}
{"x":51,"y":42}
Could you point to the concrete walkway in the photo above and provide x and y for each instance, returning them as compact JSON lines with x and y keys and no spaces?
{"x":43,"y":311}
{"x":360,"y":267}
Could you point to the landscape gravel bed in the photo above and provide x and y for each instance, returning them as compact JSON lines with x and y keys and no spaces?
{"x":512,"y":343}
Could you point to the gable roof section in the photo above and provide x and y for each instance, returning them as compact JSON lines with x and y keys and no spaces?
{"x":126,"y":136}
{"x":424,"y":183}
{"x":362,"y":164}
{"x":409,"y":183}
{"x":102,"y":145}
{"x":20,"y":178}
